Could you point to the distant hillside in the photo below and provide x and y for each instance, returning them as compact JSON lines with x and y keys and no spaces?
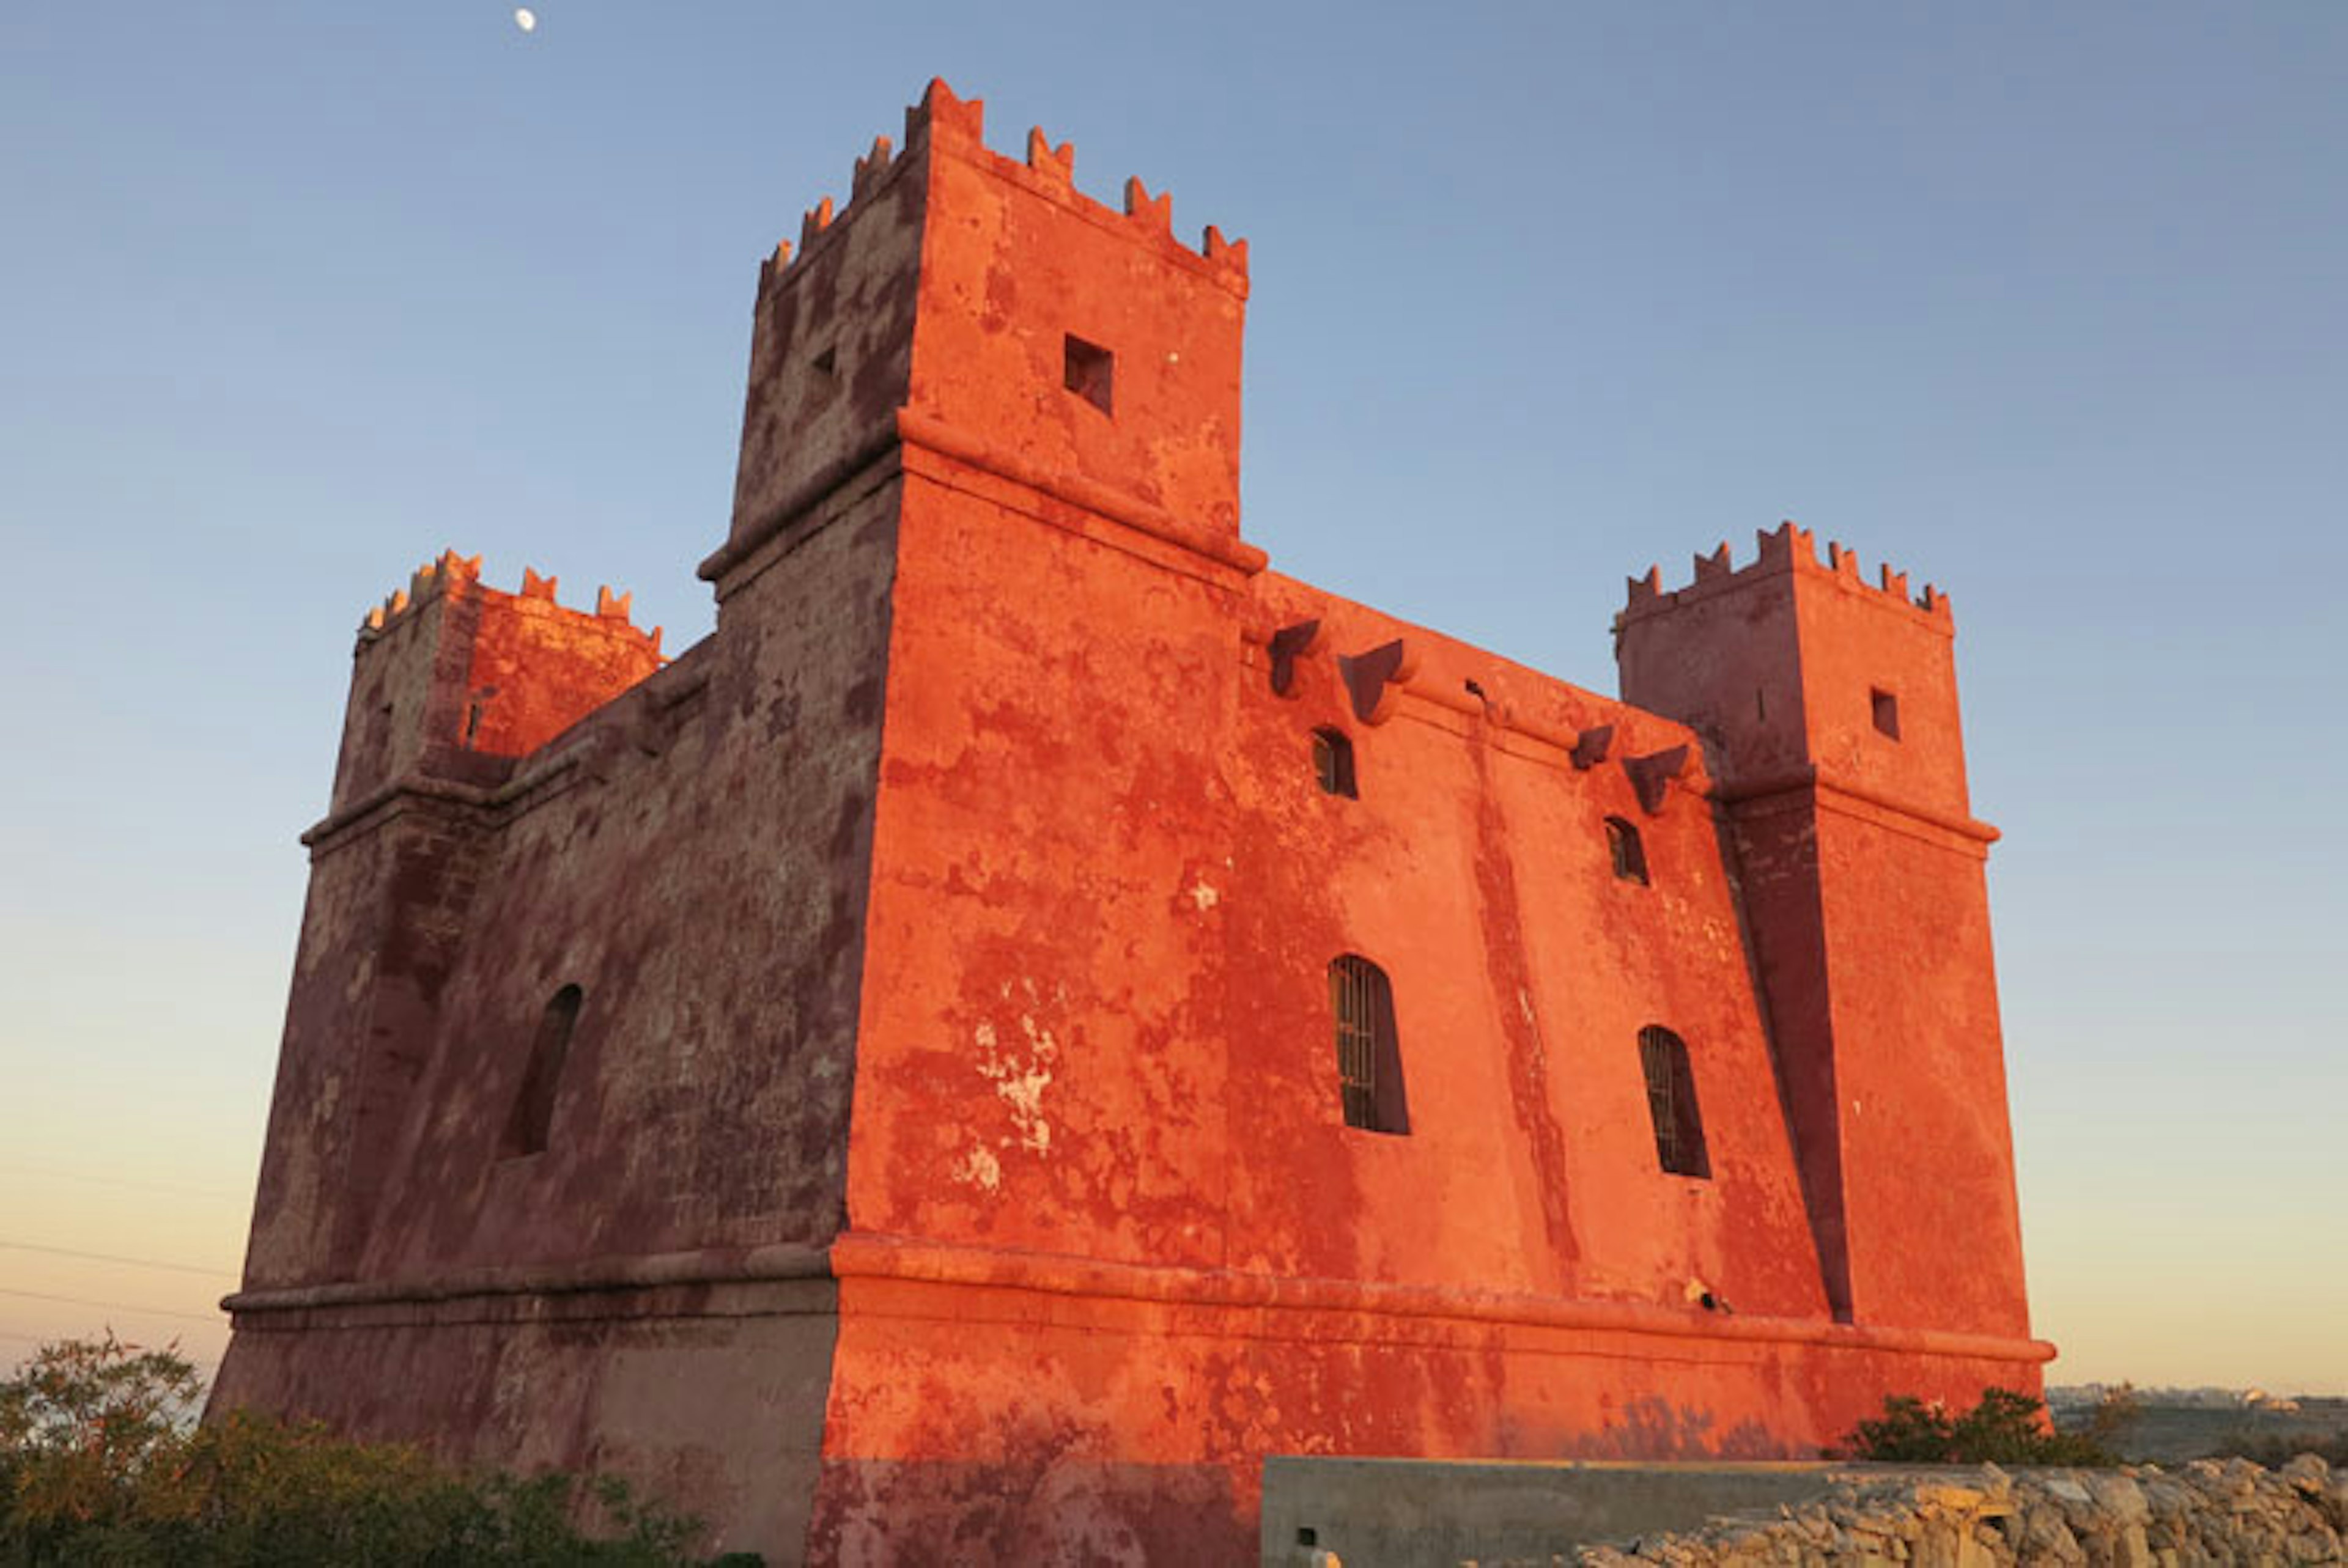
{"x":2167,"y":1432}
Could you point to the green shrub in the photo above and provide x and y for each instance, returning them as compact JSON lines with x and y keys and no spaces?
{"x":2004,"y":1427}
{"x":102,"y":1462}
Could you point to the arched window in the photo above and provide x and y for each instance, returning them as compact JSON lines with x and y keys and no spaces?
{"x":1671,"y":1103}
{"x":1369,"y":1056}
{"x":533,"y":1108}
{"x":1629,"y":854}
{"x":1333,"y":763}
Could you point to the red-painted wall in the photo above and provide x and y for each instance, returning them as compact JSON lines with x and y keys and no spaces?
{"x":955,"y":1076}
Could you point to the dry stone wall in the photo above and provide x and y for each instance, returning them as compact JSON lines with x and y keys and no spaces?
{"x":2208,"y":1511}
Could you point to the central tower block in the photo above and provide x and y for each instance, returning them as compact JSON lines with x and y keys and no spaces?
{"x":958,"y":301}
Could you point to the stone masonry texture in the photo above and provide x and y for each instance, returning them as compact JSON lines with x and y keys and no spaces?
{"x":2203,"y":1514}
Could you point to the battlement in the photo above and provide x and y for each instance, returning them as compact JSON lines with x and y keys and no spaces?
{"x":1789,"y":548}
{"x":454,"y":576}
{"x":945,"y":123}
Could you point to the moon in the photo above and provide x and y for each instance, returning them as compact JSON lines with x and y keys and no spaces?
{"x":526,"y":19}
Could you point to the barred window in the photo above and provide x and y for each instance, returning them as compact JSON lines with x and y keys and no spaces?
{"x":1333,"y":763}
{"x":1369,"y":1057}
{"x":533,"y":1108}
{"x":1629,"y":854}
{"x":1670,"y":1103}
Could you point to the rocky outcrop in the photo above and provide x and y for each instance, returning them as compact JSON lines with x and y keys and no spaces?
{"x":2208,"y":1511}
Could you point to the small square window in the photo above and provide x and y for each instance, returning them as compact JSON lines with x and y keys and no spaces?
{"x":1089,"y":371}
{"x":1887,"y":713}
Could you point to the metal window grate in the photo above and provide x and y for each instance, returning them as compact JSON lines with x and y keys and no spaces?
{"x":1630,"y":855}
{"x":1369,"y":1062}
{"x":1670,"y":1103}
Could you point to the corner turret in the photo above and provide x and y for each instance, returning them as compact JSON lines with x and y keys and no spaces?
{"x":983,"y":308}
{"x":1827,"y":706}
{"x":1791,"y":664}
{"x":453,"y":678}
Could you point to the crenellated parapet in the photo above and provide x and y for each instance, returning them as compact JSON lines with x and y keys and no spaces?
{"x":943,"y":123}
{"x":454,"y":576}
{"x":424,"y":583}
{"x":1789,"y":548}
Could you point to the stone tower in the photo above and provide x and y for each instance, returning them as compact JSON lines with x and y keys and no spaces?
{"x":1038,"y":1011}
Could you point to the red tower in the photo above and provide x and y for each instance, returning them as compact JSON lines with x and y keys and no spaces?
{"x":1038,"y":1011}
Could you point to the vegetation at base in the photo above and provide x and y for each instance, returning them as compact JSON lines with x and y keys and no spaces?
{"x":2004,"y":1427}
{"x":102,"y":1462}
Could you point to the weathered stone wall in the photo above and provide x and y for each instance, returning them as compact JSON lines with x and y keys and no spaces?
{"x":2206,"y":1511}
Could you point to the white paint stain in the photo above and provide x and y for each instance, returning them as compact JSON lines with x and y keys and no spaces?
{"x":1204,"y":897}
{"x":1020,"y":1080}
{"x":1020,"y":1076}
{"x":980,"y":1168}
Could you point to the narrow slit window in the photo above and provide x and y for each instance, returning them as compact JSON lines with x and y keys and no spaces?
{"x":1333,"y":763}
{"x":1670,"y":1103}
{"x":1629,"y":854}
{"x":1886,"y":712}
{"x":1089,"y":371}
{"x":533,"y":1109}
{"x":1369,"y":1056}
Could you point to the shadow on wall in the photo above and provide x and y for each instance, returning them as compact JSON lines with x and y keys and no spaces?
{"x":1040,"y":1506}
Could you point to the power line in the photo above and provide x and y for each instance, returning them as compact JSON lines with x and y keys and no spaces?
{"x":113,"y":1257}
{"x":217,"y":1319}
{"x":217,"y":1192}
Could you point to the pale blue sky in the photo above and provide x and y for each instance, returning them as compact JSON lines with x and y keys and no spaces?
{"x":2042,"y":304}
